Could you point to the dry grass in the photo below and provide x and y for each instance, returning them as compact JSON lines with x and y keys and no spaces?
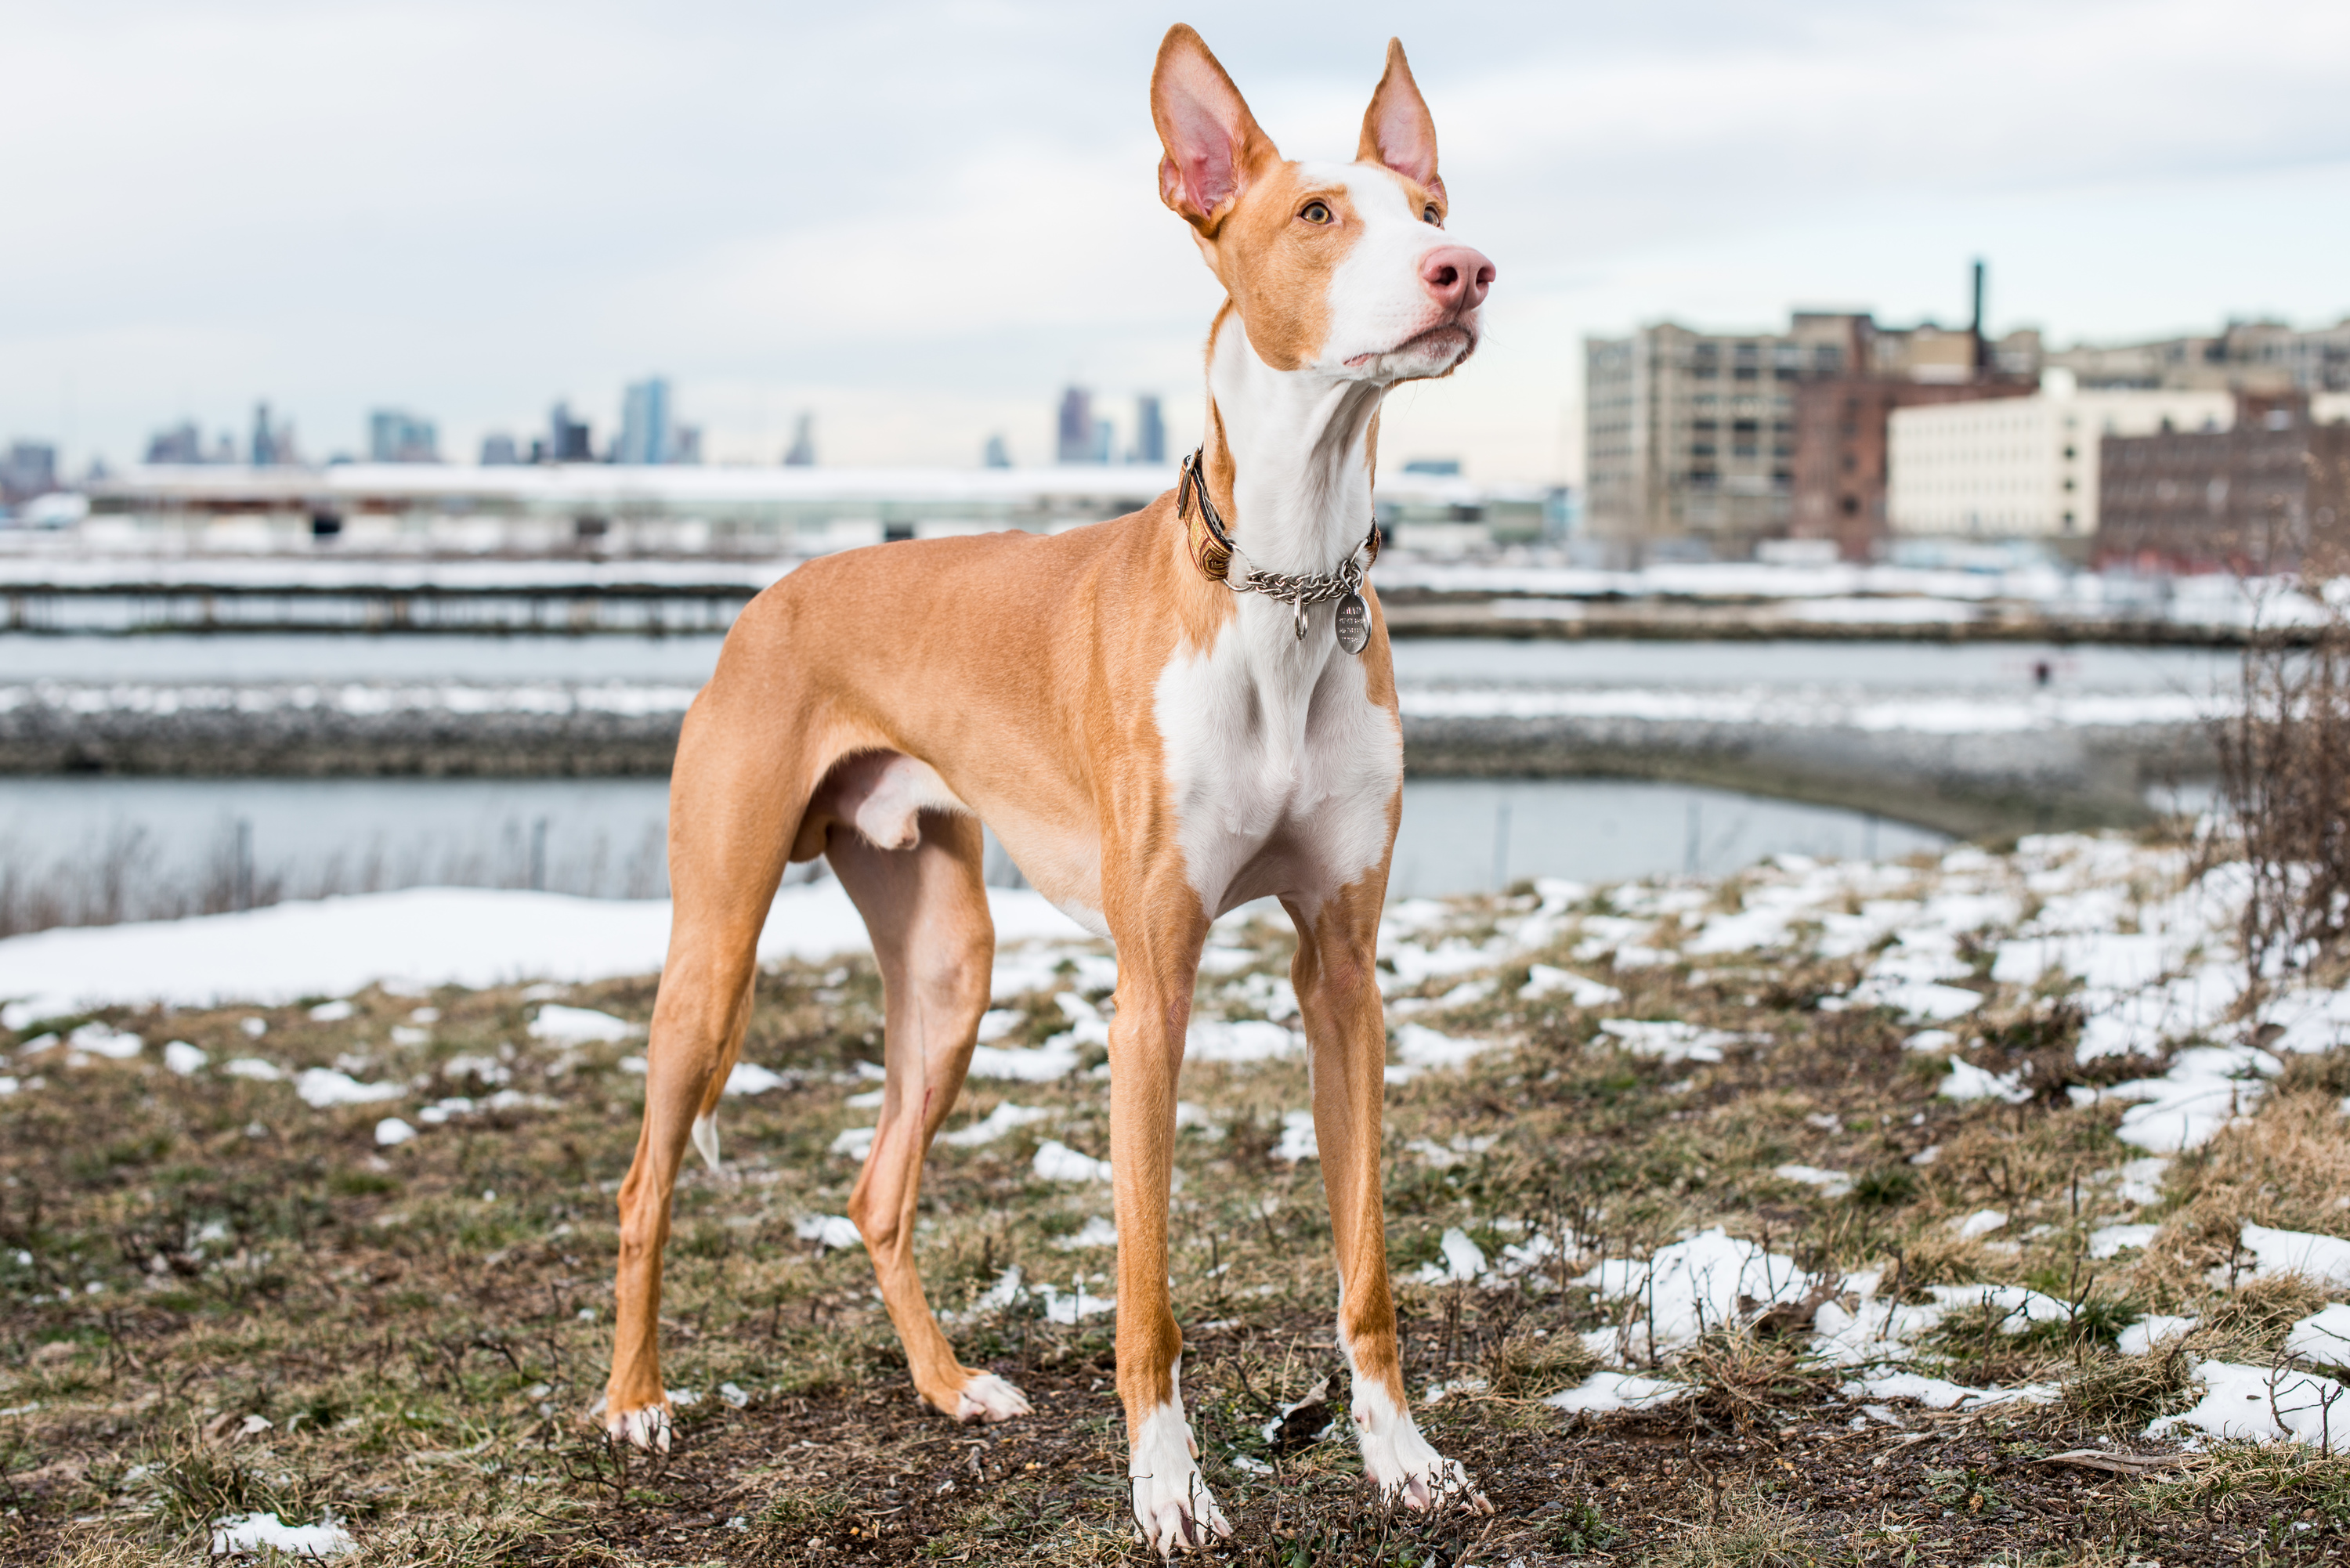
{"x":421,"y":1327}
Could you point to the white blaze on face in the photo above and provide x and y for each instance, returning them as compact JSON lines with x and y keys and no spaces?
{"x":1377,"y":300}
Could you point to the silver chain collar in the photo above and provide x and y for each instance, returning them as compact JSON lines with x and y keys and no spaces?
{"x":1298,"y":590}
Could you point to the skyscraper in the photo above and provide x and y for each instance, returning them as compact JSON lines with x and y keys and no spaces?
{"x":1077,"y":434}
{"x":803,"y":449}
{"x":272,"y":444}
{"x":396,"y":436}
{"x":998,"y":454}
{"x":1149,"y":431}
{"x":567,"y":438}
{"x":644,"y":422}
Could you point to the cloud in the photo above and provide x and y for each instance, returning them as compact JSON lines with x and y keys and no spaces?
{"x":922,"y":217}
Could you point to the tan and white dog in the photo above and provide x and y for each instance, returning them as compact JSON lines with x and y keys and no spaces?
{"x":1154,"y":747}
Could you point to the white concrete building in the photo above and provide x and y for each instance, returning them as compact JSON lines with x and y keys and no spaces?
{"x":2022,"y":467}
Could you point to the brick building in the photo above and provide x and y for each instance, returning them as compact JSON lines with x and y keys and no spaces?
{"x":2257,"y":496}
{"x":1841,"y":472}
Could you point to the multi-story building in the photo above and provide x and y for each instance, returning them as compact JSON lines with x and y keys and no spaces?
{"x":1690,"y":444}
{"x":2255,"y":356}
{"x":2022,"y":467}
{"x":645,"y":437}
{"x":1075,"y":433}
{"x":396,"y":436}
{"x":1149,"y":431}
{"x":2255,"y":496}
{"x":29,"y":468}
{"x":1841,"y":453}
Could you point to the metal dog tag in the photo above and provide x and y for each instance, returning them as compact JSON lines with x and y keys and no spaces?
{"x":1354,"y":623}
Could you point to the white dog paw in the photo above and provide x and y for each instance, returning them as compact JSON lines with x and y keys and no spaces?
{"x":1401,"y":1462}
{"x":647,"y":1428}
{"x":1173,"y":1508}
{"x":987,"y":1399}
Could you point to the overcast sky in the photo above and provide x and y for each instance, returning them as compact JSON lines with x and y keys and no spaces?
{"x":919,"y":220}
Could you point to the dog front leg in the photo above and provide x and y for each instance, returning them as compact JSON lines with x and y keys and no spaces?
{"x":1172,"y":1506}
{"x":1338,"y":993}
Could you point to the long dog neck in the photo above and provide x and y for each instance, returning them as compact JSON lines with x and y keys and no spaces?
{"x":1288,"y":454}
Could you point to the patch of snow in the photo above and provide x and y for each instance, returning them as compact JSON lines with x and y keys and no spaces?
{"x":2108,"y":1240}
{"x":2140,"y":1180}
{"x":1936,"y":1394}
{"x":855,"y":1142}
{"x":1830,"y":1183}
{"x":1968,"y":1082}
{"x":1241,"y":1040}
{"x":1982,"y":1222}
{"x":1690,"y":1286}
{"x":1444,"y":1157}
{"x":750,"y":1078}
{"x":1297,"y":1138}
{"x":2142,"y":1337}
{"x":391,"y":1131}
{"x":2206,"y":1089}
{"x":1605,"y":1391}
{"x":1543,"y":980}
{"x":1056,"y":1161}
{"x":1669,"y":1040}
{"x":322,"y":1086}
{"x":184,"y":1058}
{"x":831,"y":1232}
{"x":1006,"y":1117}
{"x":564,"y":1025}
{"x":1188,"y":1114}
{"x":100,"y":1040}
{"x":1055,"y":1059}
{"x":417,"y":937}
{"x":998,"y":1022}
{"x":2322,"y":1337}
{"x":1097,"y":1231}
{"x":2261,"y":1404}
{"x":1423,"y":1049}
{"x":1220,"y":960}
{"x":249,"y":1533}
{"x":331,"y":1012}
{"x":1076,"y":1306}
{"x":2325,"y":1259}
{"x":1463,"y":1260}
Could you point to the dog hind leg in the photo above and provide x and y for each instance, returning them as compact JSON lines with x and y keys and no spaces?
{"x":725,"y":860}
{"x":926,"y":908}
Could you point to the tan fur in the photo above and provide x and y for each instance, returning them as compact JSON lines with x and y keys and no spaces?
{"x":1020,"y":670}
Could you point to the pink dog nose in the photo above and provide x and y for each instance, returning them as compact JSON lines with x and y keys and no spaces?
{"x":1457,"y":275}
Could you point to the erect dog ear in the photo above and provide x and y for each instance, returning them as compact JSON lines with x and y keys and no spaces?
{"x":1398,"y":130}
{"x":1213,"y":143}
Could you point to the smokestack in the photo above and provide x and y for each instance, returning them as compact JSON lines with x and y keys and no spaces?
{"x":1977,"y":328}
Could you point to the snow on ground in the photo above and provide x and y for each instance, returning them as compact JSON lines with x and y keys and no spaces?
{"x":418,"y":938}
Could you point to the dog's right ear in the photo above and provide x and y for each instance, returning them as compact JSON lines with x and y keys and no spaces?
{"x":1213,"y":143}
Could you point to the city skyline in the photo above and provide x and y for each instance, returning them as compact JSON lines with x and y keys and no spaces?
{"x":584,"y":194}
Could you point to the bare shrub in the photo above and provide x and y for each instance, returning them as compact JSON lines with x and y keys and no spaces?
{"x":2285,"y":775}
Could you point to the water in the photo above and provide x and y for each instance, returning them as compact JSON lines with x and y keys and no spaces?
{"x":100,"y":849}
{"x":1972,"y":668}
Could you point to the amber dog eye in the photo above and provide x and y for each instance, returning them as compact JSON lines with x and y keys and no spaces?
{"x":1315,"y":212}
{"x":1429,"y":214}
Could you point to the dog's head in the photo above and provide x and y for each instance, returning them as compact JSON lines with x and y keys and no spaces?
{"x":1341,"y":268}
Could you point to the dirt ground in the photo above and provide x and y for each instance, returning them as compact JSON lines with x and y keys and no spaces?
{"x":216,"y":1299}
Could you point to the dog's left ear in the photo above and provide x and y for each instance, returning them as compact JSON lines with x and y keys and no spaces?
{"x":1398,"y":130}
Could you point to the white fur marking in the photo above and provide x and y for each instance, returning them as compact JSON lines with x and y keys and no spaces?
{"x":1172,"y":1505}
{"x":705,"y":1138}
{"x":987,"y":1399}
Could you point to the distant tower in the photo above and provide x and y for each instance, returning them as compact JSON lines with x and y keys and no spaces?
{"x":1077,"y":435}
{"x":802,"y":451}
{"x":567,"y":438}
{"x":998,"y":454}
{"x":1105,"y":438}
{"x":1149,"y":431}
{"x":644,"y":422}
{"x":264,"y":445}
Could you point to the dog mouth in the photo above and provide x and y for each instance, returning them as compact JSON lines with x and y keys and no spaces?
{"x":1445,"y":346}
